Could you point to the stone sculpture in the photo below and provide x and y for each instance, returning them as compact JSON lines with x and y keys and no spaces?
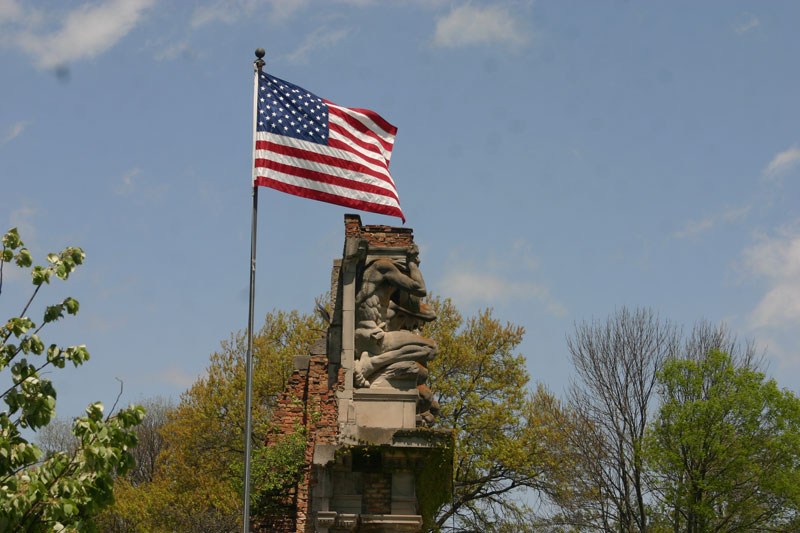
{"x":390,"y":351}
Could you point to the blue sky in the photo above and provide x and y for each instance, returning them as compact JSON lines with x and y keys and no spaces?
{"x":556,"y":160}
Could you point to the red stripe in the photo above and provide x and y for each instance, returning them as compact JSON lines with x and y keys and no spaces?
{"x":330,"y":198}
{"x":299,"y":153}
{"x":359,"y":126}
{"x":374,"y":117}
{"x":355,"y":140}
{"x":326,"y":178}
{"x":341,"y":145}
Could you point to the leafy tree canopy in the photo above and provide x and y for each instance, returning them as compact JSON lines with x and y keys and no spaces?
{"x":63,"y":490}
{"x":508,"y":438}
{"x":724,"y":448}
{"x":197,"y":482}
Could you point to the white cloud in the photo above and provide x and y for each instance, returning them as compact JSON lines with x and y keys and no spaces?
{"x":16,"y":129}
{"x":781,"y":164}
{"x":748,"y":24}
{"x":140,"y":191}
{"x":777,"y":259}
{"x":469,"y":25}
{"x":127,"y":184}
{"x":469,"y":288}
{"x":86,"y":32}
{"x":174,"y":51}
{"x":10,"y":11}
{"x":502,"y":279}
{"x":472,"y":287}
{"x":227,"y":12}
{"x":319,"y":38}
{"x":696,"y":227}
{"x":230,"y":11}
{"x":177,"y":377}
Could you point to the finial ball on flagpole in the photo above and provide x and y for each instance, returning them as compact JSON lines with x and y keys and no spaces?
{"x":260,"y":53}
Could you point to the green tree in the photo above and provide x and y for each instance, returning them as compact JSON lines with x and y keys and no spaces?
{"x":63,"y":490}
{"x":196,"y":484}
{"x":724,"y":450}
{"x":507,"y":438}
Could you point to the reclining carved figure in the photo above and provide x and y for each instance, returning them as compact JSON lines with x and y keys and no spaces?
{"x":389,"y":315}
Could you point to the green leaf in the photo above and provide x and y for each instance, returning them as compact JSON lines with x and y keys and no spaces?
{"x":72,"y":306}
{"x":18,"y":326}
{"x":37,"y":346}
{"x":77,"y":255}
{"x":95,"y":411}
{"x":24,"y":258}
{"x":11,"y":239}
{"x":40,"y":275}
{"x":76,"y":354}
{"x":53,"y":313}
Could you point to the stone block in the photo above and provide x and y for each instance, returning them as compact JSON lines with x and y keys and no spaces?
{"x":301,"y":362}
{"x":324,"y":454}
{"x":385,"y":408}
{"x":404,"y":499}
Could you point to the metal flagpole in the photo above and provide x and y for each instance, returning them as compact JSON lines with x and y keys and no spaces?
{"x":248,"y":424}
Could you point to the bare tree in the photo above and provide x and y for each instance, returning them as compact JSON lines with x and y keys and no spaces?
{"x":57,"y":437}
{"x":616,"y":362}
{"x":706,"y":336}
{"x":150,"y":441}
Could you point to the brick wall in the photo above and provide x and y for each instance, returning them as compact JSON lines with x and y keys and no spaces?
{"x":377,"y":498}
{"x":309,"y":400}
{"x":378,"y":235}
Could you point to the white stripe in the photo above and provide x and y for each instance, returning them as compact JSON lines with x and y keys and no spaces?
{"x":347,"y":174}
{"x":336,"y":190}
{"x":387,"y":154}
{"x":365,"y":154}
{"x":322,"y":149}
{"x":368,"y":122}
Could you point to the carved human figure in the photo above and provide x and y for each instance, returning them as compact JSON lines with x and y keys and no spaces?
{"x":389,"y":314}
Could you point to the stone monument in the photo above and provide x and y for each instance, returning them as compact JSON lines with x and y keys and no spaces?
{"x":372,"y":461}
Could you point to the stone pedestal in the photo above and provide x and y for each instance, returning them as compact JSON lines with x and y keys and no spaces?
{"x":385,"y":408}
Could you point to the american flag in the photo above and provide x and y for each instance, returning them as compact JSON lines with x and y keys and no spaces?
{"x":310,"y":147}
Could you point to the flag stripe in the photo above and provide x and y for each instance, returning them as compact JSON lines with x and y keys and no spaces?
{"x":348,"y":170}
{"x":374,"y":117}
{"x":322,"y":196}
{"x":327,"y":155}
{"x":294,"y":175}
{"x":327,"y":186}
{"x":341,"y":129}
{"x":348,"y":146}
{"x":358,"y":126}
{"x":353,"y":143}
{"x":367,"y":120}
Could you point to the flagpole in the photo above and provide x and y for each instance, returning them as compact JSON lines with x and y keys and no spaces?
{"x":248,"y":424}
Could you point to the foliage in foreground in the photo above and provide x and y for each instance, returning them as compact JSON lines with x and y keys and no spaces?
{"x":63,"y":490}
